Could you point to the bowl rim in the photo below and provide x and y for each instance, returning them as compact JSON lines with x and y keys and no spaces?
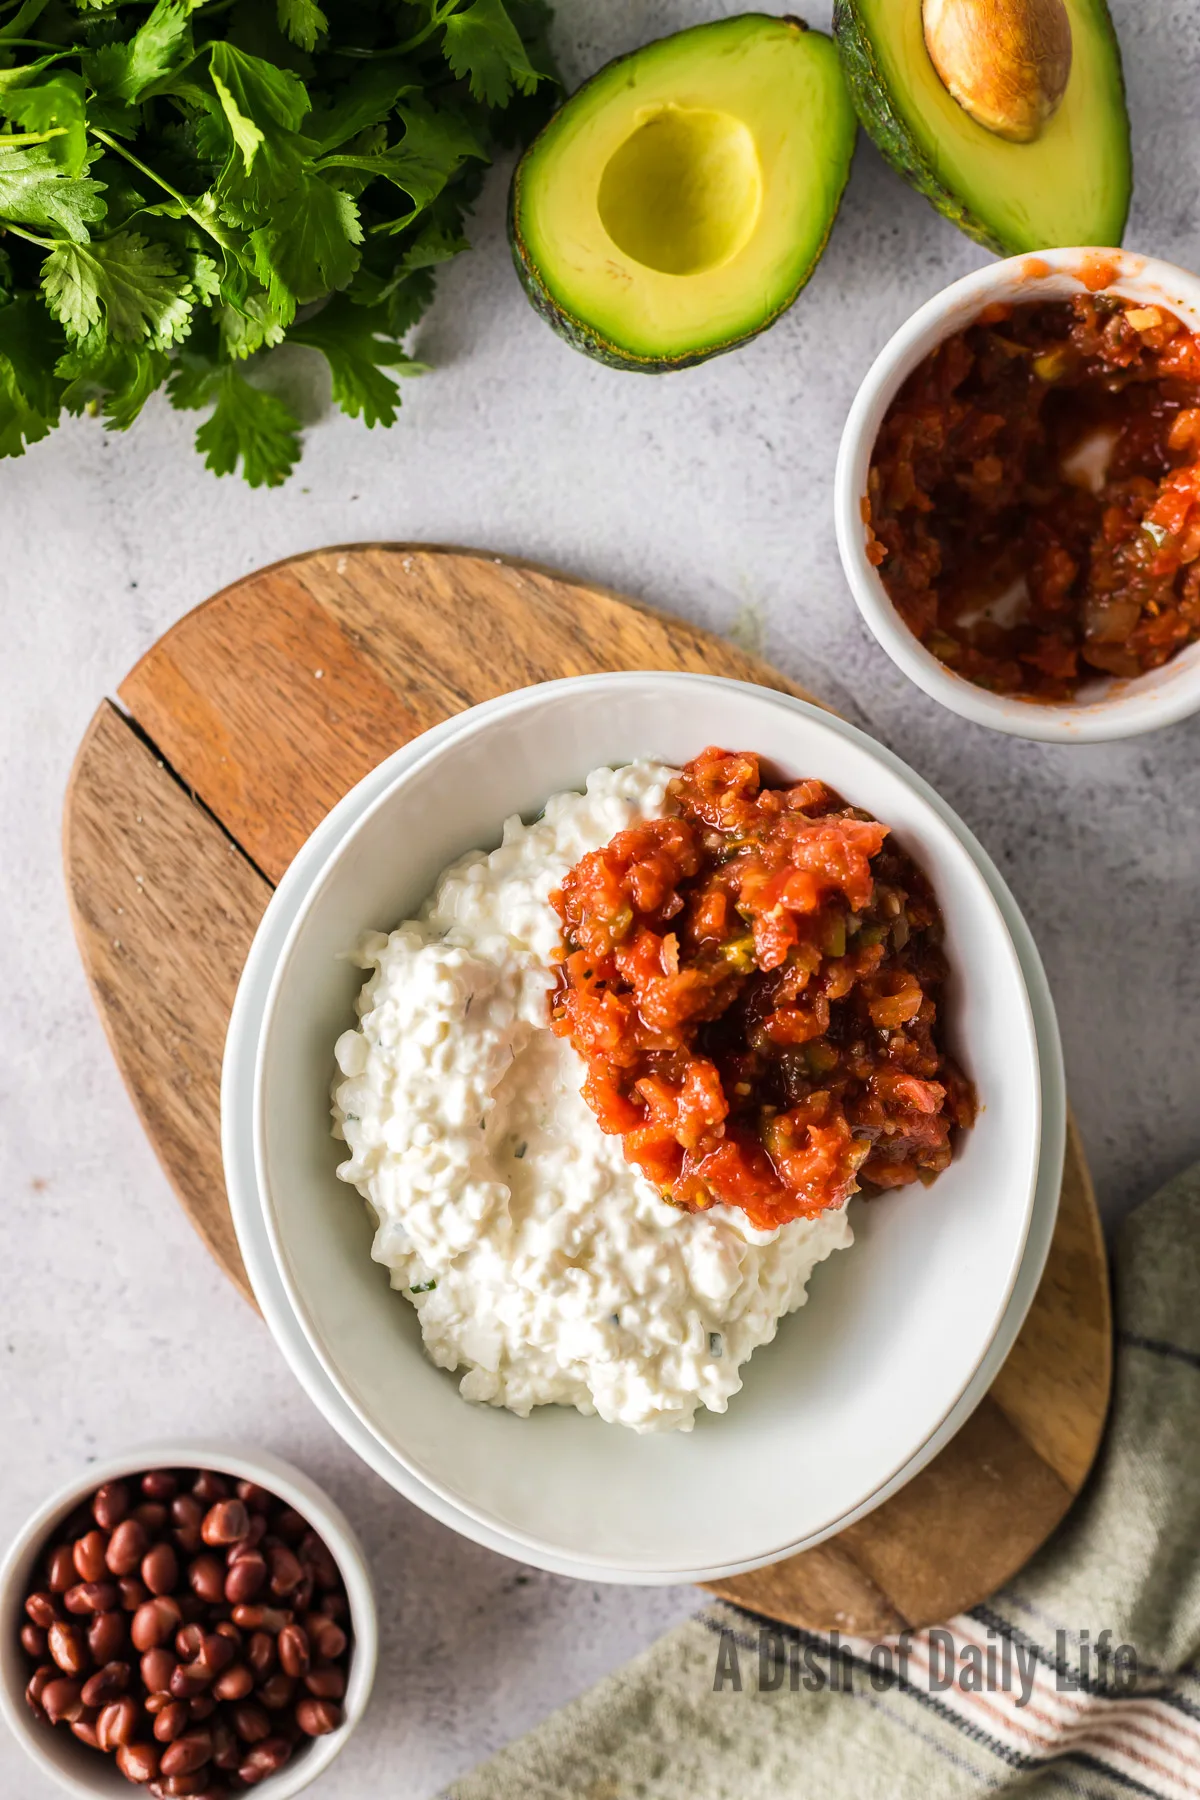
{"x":1126,"y":709}
{"x":963,"y":846}
{"x":226,"y":1457}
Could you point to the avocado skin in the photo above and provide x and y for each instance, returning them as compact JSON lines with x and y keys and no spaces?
{"x":584,"y":337}
{"x":896,"y":144}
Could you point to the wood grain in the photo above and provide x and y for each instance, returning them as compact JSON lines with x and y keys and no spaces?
{"x":249,"y":720}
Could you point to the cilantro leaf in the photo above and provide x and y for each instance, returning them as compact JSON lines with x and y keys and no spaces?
{"x":483,"y":46}
{"x":119,"y":378}
{"x":434,"y":146}
{"x":126,"y":72}
{"x":55,"y":105}
{"x":35,"y":190}
{"x":246,"y":426}
{"x":366,"y":99}
{"x":302,"y":21}
{"x":257,"y":99}
{"x":29,"y":389}
{"x":310,"y":247}
{"x":349,"y":338}
{"x":130,"y":286}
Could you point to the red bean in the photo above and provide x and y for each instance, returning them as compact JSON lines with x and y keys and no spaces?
{"x":290,"y":1525}
{"x":33,"y":1641}
{"x":215,"y":1653}
{"x":187,"y":1753}
{"x":92,"y":1597}
{"x":318,"y":1717}
{"x":316,"y":1553}
{"x":172,"y":1721}
{"x":326,"y":1684}
{"x":154,"y":1622}
{"x":66,"y":1645}
{"x":85,"y":1730}
{"x":287,"y":1571}
{"x":334,"y":1606}
{"x":108,"y":1636}
{"x":293,"y":1650}
{"x":89,"y":1554}
{"x":206,"y":1577}
{"x":189,"y":1680}
{"x":245,"y":1577}
{"x":188,"y":1640}
{"x":187,"y":1516}
{"x":256,"y":1498}
{"x":108,"y":1683}
{"x":265,"y":1759}
{"x":276,"y":1691}
{"x":226,"y":1522}
{"x":328,"y":1638}
{"x":126,"y":1547}
{"x":39,"y":1681}
{"x":160,"y":1569}
{"x":138,"y":1762}
{"x":118,"y":1723}
{"x":227,"y":1629}
{"x":201,"y":1706}
{"x":157,"y":1667}
{"x":42,"y":1610}
{"x":153,"y":1515}
{"x":251,"y":1721}
{"x":226,"y":1753}
{"x":261,"y":1618}
{"x":209,"y":1486}
{"x":62,"y":1699}
{"x":154,"y":1703}
{"x":260,"y":1653}
{"x":61,"y":1571}
{"x":159,"y":1484}
{"x":234,"y":1684}
{"x":193,"y":1786}
{"x":134,"y":1593}
{"x":110,"y":1503}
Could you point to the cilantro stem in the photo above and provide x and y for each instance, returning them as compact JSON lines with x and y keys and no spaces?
{"x":42,"y":243}
{"x":111,"y":143}
{"x":438,"y":17}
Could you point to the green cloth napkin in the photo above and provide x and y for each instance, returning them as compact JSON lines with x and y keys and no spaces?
{"x":675,"y":1725}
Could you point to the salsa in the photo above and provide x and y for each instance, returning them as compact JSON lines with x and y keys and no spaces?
{"x":1033,"y":504}
{"x":754,"y":984}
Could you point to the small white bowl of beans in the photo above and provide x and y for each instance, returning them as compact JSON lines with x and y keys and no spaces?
{"x":189,"y":1621}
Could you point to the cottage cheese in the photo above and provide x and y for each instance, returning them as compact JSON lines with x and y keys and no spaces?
{"x":541,"y":1263}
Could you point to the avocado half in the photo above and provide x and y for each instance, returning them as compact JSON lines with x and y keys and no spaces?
{"x":1070,"y":186}
{"x":678,"y":202}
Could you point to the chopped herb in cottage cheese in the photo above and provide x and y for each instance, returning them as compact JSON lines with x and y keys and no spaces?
{"x":542,"y":1265}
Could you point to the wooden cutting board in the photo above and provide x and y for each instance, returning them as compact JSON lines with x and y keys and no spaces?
{"x":242,"y":727}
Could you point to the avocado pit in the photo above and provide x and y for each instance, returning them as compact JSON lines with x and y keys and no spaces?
{"x":683,"y":192}
{"x":1006,"y":62}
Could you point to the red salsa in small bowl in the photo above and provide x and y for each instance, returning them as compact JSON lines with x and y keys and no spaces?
{"x":754,"y":983}
{"x":1033,"y":503}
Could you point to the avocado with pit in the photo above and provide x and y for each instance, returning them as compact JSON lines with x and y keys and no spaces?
{"x":678,"y":202}
{"x":1008,"y":115}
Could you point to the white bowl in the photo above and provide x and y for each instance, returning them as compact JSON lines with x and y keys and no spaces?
{"x":1105,"y":708}
{"x":849,"y":1400}
{"x":86,"y":1772}
{"x":237,"y":1109}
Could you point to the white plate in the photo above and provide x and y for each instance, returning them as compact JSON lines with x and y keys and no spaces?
{"x":826,"y":1385}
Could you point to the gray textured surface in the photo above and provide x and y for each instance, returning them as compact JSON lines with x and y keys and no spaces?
{"x":707,"y":492}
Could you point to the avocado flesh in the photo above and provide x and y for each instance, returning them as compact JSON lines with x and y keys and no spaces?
{"x":1070,"y":186}
{"x":676,"y":204}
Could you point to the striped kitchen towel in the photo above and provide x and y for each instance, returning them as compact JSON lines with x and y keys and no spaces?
{"x":1082,"y":1677}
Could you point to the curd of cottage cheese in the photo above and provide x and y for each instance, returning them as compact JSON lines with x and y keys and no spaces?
{"x":541,"y":1264}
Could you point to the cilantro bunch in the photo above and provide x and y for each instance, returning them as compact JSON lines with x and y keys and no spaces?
{"x":186,"y":184}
